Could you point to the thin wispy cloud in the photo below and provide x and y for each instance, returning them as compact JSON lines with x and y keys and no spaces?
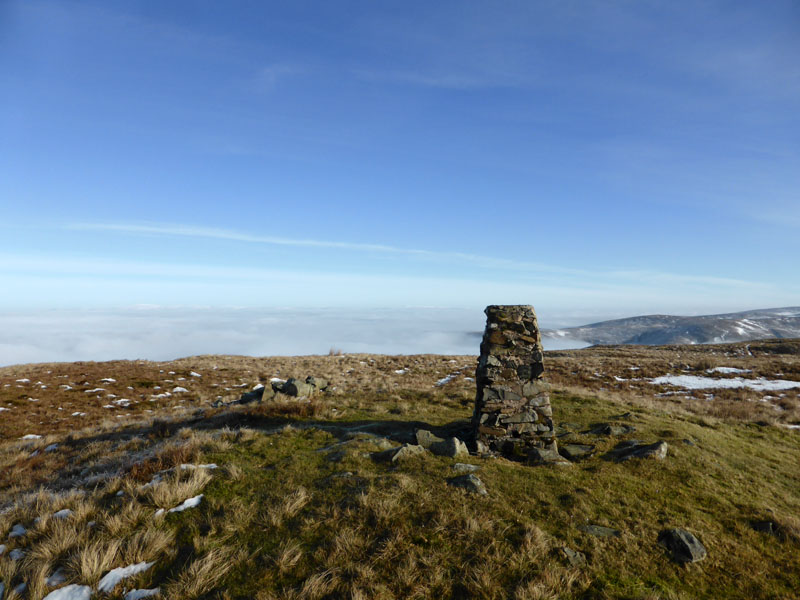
{"x":610,"y":276}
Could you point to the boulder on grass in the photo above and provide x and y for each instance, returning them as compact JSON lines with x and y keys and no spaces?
{"x":426,"y":439}
{"x":469,"y":482}
{"x":318,"y":382}
{"x":635,"y":449}
{"x":295,"y":387}
{"x":546,"y":456}
{"x":400,"y":454}
{"x":682,"y":545}
{"x":452,"y":447}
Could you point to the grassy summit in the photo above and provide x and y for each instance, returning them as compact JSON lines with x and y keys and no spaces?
{"x":287,"y":501}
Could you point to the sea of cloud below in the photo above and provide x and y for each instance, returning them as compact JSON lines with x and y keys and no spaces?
{"x":156,"y":333}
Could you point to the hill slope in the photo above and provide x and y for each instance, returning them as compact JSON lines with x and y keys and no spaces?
{"x":286,"y":498}
{"x":668,"y":329}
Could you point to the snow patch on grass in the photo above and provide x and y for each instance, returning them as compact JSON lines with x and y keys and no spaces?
{"x":696,"y":382}
{"x":190,"y":503}
{"x":114,"y":576}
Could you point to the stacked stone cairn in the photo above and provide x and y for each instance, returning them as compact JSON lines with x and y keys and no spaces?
{"x":512,"y":414}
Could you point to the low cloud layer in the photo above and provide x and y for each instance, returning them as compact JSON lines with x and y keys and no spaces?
{"x":162,"y":334}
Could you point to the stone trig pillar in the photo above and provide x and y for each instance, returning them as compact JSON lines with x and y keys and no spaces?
{"x":512,"y":415}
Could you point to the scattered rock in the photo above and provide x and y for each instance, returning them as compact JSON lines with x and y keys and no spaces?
{"x":319,"y":383}
{"x":635,"y":449}
{"x":252,"y":396}
{"x":465,"y":468}
{"x":599,"y":531}
{"x":682,"y":545}
{"x":295,"y":387}
{"x":398,"y":455}
{"x":574,"y":558}
{"x":452,"y":447}
{"x":482,"y":449}
{"x":576,"y":451}
{"x":546,"y":456}
{"x":426,"y":439}
{"x":385,"y":444}
{"x":612,"y":429}
{"x":469,"y":482}
{"x":16,"y":554}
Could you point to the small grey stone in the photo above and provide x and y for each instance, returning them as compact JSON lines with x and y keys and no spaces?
{"x":546,"y":456}
{"x":627,"y":451}
{"x":426,"y":439}
{"x":682,"y":545}
{"x":465,"y":468}
{"x":398,"y":455}
{"x":469,"y":482}
{"x":384,"y":444}
{"x":481,"y":449}
{"x":452,"y":447}
{"x":599,"y":531}
{"x":575,"y":558}
{"x":576,"y":451}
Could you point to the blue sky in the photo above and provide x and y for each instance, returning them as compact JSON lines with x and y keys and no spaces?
{"x":590,"y":158}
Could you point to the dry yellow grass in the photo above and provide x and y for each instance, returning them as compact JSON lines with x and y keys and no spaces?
{"x":204,"y":573}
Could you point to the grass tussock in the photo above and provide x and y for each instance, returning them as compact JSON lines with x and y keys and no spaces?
{"x":204,"y":574}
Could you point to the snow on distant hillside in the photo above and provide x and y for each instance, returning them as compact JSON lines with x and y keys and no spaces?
{"x":668,"y":329}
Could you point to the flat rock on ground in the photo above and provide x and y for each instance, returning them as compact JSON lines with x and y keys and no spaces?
{"x":599,"y":531}
{"x":544,"y":456}
{"x":426,"y":439}
{"x":575,"y":558}
{"x":635,"y":449}
{"x":401,"y":454}
{"x":576,"y":451}
{"x":469,"y":482}
{"x":451,"y":447}
{"x":465,"y":468}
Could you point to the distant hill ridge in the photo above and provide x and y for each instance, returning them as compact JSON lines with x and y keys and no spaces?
{"x":655,"y":330}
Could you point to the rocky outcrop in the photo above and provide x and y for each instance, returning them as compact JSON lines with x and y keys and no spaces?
{"x":512,"y":414}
